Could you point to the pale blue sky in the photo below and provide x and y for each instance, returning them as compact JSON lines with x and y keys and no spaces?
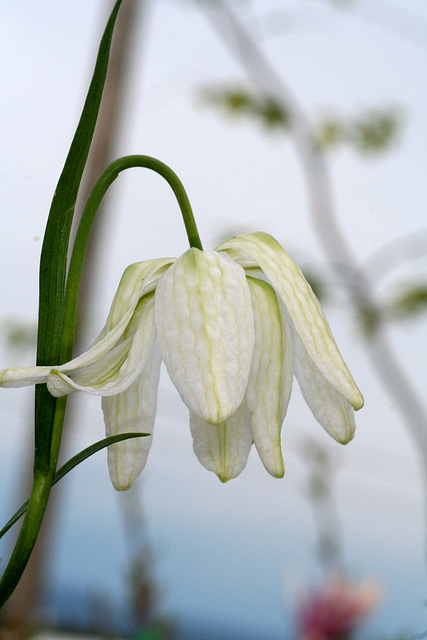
{"x":243,"y":547}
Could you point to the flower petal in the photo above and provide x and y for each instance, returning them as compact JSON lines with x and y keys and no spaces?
{"x":137,"y":280}
{"x":301,"y":305}
{"x":23,"y":376}
{"x":223,"y":448}
{"x":270,"y":382}
{"x":329,"y":407}
{"x":116,"y":369}
{"x":205,"y":326}
{"x":132,"y":410}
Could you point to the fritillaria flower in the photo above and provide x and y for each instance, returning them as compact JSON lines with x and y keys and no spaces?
{"x":232,"y":326}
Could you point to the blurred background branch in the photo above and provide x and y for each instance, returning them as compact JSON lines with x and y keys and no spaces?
{"x":372,"y":132}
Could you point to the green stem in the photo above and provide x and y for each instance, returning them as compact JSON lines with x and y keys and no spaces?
{"x":85,"y":226}
{"x":37,"y":503}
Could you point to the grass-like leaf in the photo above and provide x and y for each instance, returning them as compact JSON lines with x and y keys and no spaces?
{"x":52,"y":345}
{"x":68,"y":466}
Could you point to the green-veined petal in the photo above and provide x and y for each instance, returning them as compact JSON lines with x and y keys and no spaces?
{"x":223,"y":448}
{"x":132,"y":410}
{"x":117,"y":369}
{"x":301,"y":304}
{"x":270,"y":382}
{"x":329,"y":407}
{"x":137,"y":280}
{"x":205,"y":327}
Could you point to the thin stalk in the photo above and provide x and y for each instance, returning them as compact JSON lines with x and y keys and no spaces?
{"x":37,"y":503}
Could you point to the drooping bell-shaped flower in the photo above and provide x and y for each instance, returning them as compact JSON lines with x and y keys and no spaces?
{"x":232,"y":327}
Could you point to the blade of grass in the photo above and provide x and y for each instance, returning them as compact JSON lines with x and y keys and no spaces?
{"x":70,"y":465}
{"x":53,"y":260}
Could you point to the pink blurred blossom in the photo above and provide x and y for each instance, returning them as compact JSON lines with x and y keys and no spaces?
{"x":335,"y":609}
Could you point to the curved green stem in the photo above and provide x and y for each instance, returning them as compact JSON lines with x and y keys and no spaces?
{"x":88,"y":215}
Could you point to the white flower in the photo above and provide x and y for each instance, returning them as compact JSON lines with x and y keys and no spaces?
{"x":232,"y":326}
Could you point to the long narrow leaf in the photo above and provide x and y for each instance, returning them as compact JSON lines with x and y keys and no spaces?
{"x":52,"y":346}
{"x":68,"y":466}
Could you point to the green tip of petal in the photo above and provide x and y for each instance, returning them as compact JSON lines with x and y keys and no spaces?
{"x":279,"y":472}
{"x":4,"y":377}
{"x":122,"y":487}
{"x":346,"y":440}
{"x":276,"y":467}
{"x":358,"y":401}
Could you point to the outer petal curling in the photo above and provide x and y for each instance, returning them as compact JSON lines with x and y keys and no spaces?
{"x":132,"y":410}
{"x":117,"y":369}
{"x":137,"y":280}
{"x":301,"y":304}
{"x":93,"y":377}
{"x":270,"y":382}
{"x":223,"y":448}
{"x":205,"y":327}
